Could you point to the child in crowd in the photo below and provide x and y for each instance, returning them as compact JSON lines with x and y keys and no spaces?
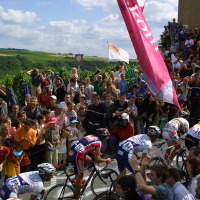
{"x":74,"y":73}
{"x":62,"y":148}
{"x":73,"y":133}
{"x":81,"y":130}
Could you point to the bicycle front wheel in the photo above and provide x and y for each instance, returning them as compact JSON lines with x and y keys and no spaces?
{"x":55,"y":192}
{"x":102,"y":181}
{"x":107,"y":196}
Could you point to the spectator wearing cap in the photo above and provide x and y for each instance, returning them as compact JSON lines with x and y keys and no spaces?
{"x":98,"y":84}
{"x":52,"y":103}
{"x":194,"y":97}
{"x":59,"y":89}
{"x":73,"y":133}
{"x":36,"y":78}
{"x":142,"y":111}
{"x":52,"y":138}
{"x":73,"y":87}
{"x":33,"y":110}
{"x":142,"y":88}
{"x":44,"y":97}
{"x":79,"y":93}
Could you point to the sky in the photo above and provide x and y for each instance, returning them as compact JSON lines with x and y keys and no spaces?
{"x":75,"y":26}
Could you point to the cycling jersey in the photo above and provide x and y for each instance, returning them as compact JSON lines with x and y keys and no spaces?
{"x":170,"y":131}
{"x":80,"y":149}
{"x":193,"y":136}
{"x":127,"y":148}
{"x":195,"y":131}
{"x":28,"y":182}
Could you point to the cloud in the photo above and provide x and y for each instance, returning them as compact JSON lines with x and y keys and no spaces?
{"x":70,"y":27}
{"x":111,"y":19}
{"x":89,"y":9}
{"x":12,"y":16}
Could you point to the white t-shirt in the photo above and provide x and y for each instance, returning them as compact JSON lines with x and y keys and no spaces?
{"x":135,"y":144}
{"x":62,"y":147}
{"x":28,"y":182}
{"x":73,"y":130}
{"x":195,"y":131}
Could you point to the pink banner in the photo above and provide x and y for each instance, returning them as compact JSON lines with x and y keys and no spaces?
{"x":149,"y":56}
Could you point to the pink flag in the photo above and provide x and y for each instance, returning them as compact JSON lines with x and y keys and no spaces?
{"x":141,"y":4}
{"x":149,"y":56}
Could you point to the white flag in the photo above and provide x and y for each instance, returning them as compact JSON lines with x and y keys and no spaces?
{"x":117,"y":53}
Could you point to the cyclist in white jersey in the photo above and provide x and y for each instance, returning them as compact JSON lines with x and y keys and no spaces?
{"x":28,"y":182}
{"x":171,"y":133}
{"x":133,"y":145}
{"x":192,"y":138}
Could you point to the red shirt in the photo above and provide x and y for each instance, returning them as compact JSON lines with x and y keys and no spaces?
{"x":44,"y":98}
{"x":3,"y":152}
{"x":123,"y":133}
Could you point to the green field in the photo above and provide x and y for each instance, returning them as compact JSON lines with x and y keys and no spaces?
{"x":39,"y":56}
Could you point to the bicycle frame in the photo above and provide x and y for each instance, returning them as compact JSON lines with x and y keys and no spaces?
{"x":94,"y":170}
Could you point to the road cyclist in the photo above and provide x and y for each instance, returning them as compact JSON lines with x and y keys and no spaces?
{"x":81,"y":153}
{"x":171,"y":134}
{"x":141,"y":143}
{"x":28,"y":182}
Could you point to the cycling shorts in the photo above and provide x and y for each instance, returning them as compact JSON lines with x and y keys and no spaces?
{"x":122,"y":158}
{"x":170,"y":135}
{"x":191,"y":141}
{"x":77,"y":159}
{"x":6,"y":193}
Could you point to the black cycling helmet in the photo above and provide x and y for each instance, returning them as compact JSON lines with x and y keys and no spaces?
{"x":102,"y":132}
{"x":153,"y":131}
{"x":184,"y":114}
{"x":46,"y":168}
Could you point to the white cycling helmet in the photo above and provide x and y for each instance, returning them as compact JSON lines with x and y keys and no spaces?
{"x":14,"y":198}
{"x":46,"y":168}
{"x":125,"y":116}
{"x":153,"y":131}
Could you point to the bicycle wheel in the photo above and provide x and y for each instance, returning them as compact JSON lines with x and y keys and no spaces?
{"x":157,"y":160}
{"x":101,"y":181}
{"x":181,"y":159}
{"x":107,"y":196}
{"x":54,"y":192}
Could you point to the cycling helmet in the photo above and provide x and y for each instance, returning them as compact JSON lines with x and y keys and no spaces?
{"x":102,"y":132}
{"x":46,"y":168}
{"x":14,"y":198}
{"x":153,"y":130}
{"x":125,"y":116}
{"x":184,"y":114}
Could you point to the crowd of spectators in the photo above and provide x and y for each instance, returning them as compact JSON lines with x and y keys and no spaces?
{"x":42,"y":128}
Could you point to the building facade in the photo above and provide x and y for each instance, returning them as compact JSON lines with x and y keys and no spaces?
{"x":189,"y":13}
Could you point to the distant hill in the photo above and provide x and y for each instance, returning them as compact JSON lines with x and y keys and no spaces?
{"x":12,"y":60}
